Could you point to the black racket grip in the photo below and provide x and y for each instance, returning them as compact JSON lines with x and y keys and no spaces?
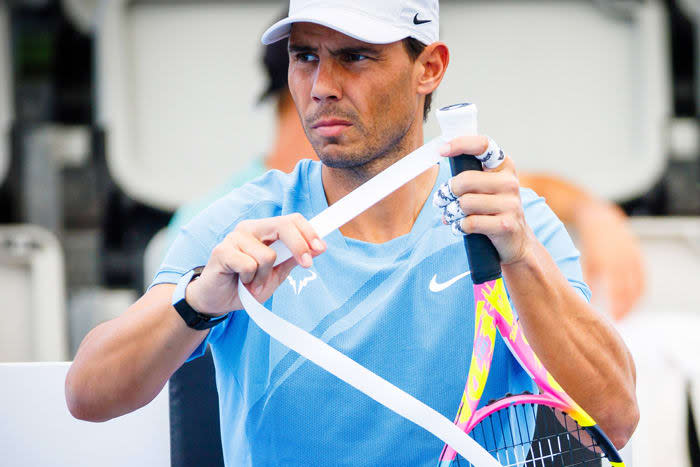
{"x":484,"y":262}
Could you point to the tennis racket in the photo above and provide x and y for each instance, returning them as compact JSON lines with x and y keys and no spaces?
{"x":507,"y":427}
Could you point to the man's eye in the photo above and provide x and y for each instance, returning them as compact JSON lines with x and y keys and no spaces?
{"x":356,"y":57}
{"x":305,"y":57}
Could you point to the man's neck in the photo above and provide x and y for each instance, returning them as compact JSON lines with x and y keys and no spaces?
{"x":394,"y":215}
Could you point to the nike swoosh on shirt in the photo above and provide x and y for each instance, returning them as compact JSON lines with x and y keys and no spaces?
{"x":436,"y":286}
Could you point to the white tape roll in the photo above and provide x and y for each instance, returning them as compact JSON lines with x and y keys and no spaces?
{"x":334,"y":361}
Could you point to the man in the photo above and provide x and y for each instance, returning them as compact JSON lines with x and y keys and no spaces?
{"x":360,"y":74}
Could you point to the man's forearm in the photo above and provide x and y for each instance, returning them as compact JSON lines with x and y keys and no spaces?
{"x":576,"y":344}
{"x":124,"y":363}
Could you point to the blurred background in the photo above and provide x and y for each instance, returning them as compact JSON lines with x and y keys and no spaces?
{"x":115,"y":113}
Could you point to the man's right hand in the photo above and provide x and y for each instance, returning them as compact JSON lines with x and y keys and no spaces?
{"x":245,"y":253}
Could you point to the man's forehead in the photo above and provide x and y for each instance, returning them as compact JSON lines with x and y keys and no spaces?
{"x":303,"y":33}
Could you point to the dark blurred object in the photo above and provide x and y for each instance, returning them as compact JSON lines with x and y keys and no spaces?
{"x":683,"y":175}
{"x":195,"y":434}
{"x":693,"y":439}
{"x":678,"y":192}
{"x":127,"y":226}
{"x":52,"y":66}
{"x":683,"y":58}
{"x":276,"y":61}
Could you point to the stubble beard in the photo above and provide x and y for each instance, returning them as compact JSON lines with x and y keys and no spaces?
{"x":381,"y":149}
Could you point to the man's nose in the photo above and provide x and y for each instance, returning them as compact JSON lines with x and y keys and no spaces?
{"x":326,"y":82}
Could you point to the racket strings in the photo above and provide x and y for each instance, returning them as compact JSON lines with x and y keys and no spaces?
{"x":530,"y":435}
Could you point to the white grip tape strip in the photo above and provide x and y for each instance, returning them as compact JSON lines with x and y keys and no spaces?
{"x":337,"y":363}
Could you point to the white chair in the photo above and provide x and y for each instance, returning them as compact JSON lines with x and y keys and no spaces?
{"x":34,"y":296}
{"x":37,"y":429}
{"x":177,"y":90}
{"x":6,"y":111}
{"x":568,"y":88}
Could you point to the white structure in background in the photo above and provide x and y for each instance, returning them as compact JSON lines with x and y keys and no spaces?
{"x":38,"y":430}
{"x":662,"y":336}
{"x":177,"y":90}
{"x":571,"y":88}
{"x":34,"y":295}
{"x":6,"y":111}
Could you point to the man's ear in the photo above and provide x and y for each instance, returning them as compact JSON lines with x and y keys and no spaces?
{"x":433,"y":64}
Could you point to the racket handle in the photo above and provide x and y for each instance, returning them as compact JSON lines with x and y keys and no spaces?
{"x":484,"y":262}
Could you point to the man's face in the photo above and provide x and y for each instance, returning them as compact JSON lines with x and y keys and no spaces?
{"x":356,"y":100}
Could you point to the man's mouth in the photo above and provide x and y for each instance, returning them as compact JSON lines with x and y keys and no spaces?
{"x":330,"y":127}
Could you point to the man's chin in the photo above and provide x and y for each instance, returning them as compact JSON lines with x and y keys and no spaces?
{"x":346,"y":160}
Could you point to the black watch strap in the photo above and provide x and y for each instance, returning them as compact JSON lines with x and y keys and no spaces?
{"x":192,"y":317}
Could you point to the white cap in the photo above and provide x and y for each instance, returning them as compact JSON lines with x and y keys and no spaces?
{"x":373,"y":21}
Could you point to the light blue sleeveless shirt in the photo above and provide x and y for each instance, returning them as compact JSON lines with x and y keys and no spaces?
{"x":396,"y":308}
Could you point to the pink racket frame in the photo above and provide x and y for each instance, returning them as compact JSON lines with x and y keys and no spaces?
{"x":493,"y":312}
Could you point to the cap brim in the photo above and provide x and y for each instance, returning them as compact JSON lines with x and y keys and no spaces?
{"x":356,"y":25}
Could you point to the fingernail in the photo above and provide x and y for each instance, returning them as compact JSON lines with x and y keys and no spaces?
{"x":306,"y":260}
{"x":445,"y":149}
{"x":317,"y":245}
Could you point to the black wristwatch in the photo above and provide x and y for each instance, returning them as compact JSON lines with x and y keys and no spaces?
{"x":192,"y":317}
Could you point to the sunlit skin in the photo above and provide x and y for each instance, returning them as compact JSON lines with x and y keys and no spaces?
{"x":361,"y":106}
{"x":355,"y":99}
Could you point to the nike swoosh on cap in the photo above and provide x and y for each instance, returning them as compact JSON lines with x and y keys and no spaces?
{"x":436,"y":286}
{"x":420,"y":21}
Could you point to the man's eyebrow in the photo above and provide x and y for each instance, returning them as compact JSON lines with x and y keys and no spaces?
{"x":354,"y":50}
{"x":298,"y":48}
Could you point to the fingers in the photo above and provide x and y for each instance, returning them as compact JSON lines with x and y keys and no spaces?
{"x":293,"y":230}
{"x":307,"y":231}
{"x":263,"y":256}
{"x":492,"y":226}
{"x":478,"y":204}
{"x":476,"y":144}
{"x":298,"y":235}
{"x":484,"y":148}
{"x":500,"y":180}
{"x":232,"y":260}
